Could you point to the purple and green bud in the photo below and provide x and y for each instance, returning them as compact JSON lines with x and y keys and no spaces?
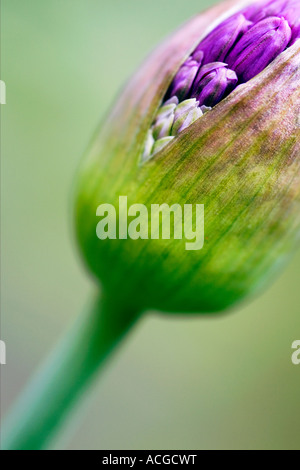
{"x":211,"y":118}
{"x":224,"y":126}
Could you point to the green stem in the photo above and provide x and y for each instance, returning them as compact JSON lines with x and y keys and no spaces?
{"x":70,"y":369}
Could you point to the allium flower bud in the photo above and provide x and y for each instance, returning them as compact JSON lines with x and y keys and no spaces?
{"x":211,"y":118}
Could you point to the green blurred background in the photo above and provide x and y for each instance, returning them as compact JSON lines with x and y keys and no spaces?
{"x":206,"y":383}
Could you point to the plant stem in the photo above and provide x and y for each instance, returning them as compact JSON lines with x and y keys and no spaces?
{"x":66,"y":374}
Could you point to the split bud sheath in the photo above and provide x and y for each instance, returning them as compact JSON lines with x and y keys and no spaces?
{"x":212,"y":117}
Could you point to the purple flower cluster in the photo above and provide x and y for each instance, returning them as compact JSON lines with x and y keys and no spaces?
{"x":237,"y":50}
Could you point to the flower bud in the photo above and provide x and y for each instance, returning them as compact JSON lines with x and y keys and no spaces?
{"x":185,"y":78}
{"x":219,"y":42}
{"x":281,"y":8}
{"x":212,"y":83}
{"x":186,"y":113}
{"x":171,"y":119}
{"x":162,"y":144}
{"x":259,"y":47}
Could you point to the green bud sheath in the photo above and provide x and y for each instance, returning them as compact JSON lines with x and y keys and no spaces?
{"x":241,"y":160}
